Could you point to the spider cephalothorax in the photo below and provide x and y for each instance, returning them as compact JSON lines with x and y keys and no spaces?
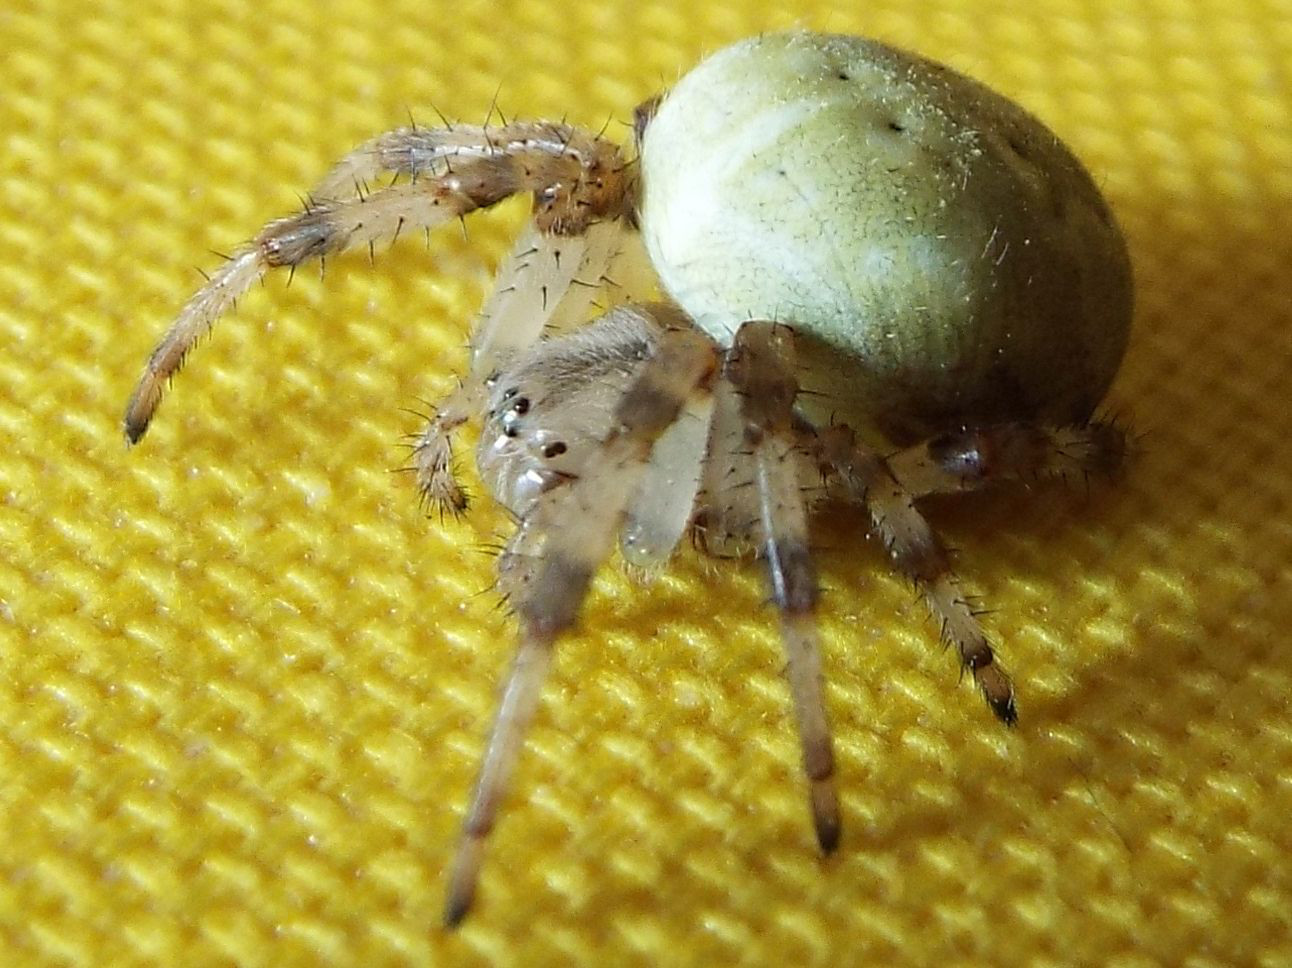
{"x":825,"y":213}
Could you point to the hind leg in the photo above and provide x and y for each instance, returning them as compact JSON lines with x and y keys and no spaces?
{"x":968,"y":460}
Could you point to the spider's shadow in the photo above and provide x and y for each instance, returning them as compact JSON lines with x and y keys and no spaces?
{"x":1195,"y":634}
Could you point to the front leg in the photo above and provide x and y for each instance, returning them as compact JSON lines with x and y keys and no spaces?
{"x":565,"y":535}
{"x":578,"y":180}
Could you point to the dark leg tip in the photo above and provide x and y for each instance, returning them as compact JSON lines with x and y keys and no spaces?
{"x":135,"y":429}
{"x":462,"y":880}
{"x":825,"y":815}
{"x":455,"y":911}
{"x":827,"y":835}
{"x":1005,"y":710}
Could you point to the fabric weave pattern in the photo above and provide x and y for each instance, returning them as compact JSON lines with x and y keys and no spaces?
{"x":244,"y":683}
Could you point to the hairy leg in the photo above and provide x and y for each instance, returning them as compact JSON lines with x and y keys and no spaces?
{"x":917,"y":553}
{"x":728,"y":518}
{"x":568,"y":532}
{"x":577,"y":181}
{"x":760,"y":367}
{"x":572,"y":159}
{"x":975,"y":458}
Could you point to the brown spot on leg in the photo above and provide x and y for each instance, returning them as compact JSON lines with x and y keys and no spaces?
{"x":309,"y":234}
{"x":556,"y":591}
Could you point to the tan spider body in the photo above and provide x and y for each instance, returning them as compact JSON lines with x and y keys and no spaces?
{"x":825,"y":214}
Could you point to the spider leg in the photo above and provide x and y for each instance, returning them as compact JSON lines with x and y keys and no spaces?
{"x":760,"y":367}
{"x":410,"y":152}
{"x":916,"y":552}
{"x":664,"y":505}
{"x":568,"y":532}
{"x":415,"y":152}
{"x":728,"y":520}
{"x":975,"y":458}
{"x":577,"y":180}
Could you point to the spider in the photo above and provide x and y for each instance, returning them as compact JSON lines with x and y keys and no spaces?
{"x":881,"y":281}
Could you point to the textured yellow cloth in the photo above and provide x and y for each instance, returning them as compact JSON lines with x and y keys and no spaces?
{"x":243,"y":682}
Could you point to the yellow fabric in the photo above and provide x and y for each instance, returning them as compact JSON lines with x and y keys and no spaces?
{"x":243,"y":682}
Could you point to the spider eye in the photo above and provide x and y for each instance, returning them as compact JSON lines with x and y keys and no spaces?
{"x":511,"y":416}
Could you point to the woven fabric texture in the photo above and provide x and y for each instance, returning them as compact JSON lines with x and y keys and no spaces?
{"x":244,"y":682}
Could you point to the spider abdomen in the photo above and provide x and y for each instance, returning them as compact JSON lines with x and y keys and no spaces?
{"x":942,"y":255}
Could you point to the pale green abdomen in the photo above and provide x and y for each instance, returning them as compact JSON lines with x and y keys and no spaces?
{"x":943,"y":256}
